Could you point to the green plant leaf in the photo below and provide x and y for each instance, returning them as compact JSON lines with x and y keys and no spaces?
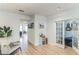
{"x":1,"y":34}
{"x":5,"y":29}
{"x":8,"y":28}
{"x":1,"y":28}
{"x":9,"y":33}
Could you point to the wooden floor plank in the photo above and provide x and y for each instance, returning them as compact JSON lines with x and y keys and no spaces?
{"x":47,"y":50}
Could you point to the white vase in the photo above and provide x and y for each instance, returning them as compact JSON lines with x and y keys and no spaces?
{"x":4,"y":40}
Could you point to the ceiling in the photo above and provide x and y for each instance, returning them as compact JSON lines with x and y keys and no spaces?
{"x":46,"y":9}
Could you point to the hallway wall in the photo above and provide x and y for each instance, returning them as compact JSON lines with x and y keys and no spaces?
{"x":34,"y":33}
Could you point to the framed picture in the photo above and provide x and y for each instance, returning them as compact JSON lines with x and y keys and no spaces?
{"x":31,"y":25}
{"x":68,"y":27}
{"x":41,"y":26}
{"x":74,"y":26}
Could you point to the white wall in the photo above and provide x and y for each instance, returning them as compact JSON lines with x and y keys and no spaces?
{"x":13,"y":20}
{"x":51,"y":31}
{"x":31,"y":32}
{"x":39,"y":20}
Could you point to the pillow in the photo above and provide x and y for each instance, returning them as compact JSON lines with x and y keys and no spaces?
{"x":11,"y":45}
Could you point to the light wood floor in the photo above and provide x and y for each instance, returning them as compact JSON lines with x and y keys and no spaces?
{"x":47,"y":50}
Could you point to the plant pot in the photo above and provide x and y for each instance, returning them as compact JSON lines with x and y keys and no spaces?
{"x":4,"y":40}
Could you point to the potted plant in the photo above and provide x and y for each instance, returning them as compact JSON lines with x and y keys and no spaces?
{"x":5,"y":32}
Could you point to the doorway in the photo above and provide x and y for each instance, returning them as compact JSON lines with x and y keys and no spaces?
{"x":68,"y":33}
{"x":23,"y":36}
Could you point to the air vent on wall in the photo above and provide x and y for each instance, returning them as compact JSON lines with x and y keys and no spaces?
{"x":21,"y":10}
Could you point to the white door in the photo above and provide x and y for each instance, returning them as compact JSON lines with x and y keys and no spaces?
{"x":60,"y":34}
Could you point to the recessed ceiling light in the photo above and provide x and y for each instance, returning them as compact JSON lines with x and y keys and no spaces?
{"x":21,"y":10}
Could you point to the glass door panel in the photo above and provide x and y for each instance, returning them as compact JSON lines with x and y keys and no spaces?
{"x":60,"y":33}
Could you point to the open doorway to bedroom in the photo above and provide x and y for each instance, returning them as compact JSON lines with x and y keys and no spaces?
{"x":68,"y":33}
{"x":72,"y":33}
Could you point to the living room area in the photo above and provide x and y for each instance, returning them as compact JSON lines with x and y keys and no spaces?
{"x":39,"y":29}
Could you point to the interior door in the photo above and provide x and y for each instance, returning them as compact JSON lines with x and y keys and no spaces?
{"x":60,"y":34}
